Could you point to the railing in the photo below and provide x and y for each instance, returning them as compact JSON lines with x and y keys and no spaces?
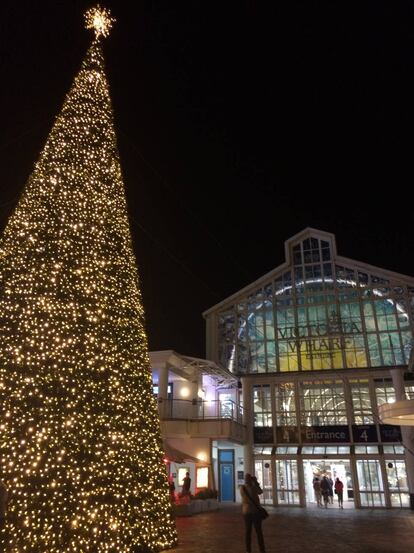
{"x":200,"y":409}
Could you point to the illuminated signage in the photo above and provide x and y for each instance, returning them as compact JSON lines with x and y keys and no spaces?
{"x":321,"y":338}
{"x":325,"y":434}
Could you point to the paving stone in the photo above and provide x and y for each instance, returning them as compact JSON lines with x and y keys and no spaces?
{"x":296,"y":530}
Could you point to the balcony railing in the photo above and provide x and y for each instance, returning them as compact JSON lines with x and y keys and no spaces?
{"x":200,"y":409}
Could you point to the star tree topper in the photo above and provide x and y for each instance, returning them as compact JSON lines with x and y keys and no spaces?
{"x":100,"y":20}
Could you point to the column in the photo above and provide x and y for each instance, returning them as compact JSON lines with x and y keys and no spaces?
{"x":407,"y":432}
{"x":163,"y":392}
{"x":248,"y":421}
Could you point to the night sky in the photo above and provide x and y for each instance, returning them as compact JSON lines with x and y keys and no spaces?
{"x":239,"y":123}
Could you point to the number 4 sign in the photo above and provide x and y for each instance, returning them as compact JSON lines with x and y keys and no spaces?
{"x":366,"y":433}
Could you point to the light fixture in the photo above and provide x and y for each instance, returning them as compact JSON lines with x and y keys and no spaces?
{"x":399,"y":413}
{"x":184,"y":392}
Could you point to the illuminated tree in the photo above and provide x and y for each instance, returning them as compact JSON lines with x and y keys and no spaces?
{"x":80,"y":446}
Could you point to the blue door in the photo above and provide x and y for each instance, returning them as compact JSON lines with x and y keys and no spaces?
{"x":226,"y":472}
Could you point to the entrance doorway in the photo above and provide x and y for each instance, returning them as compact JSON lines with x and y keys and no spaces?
{"x":334,"y":468}
{"x":226,"y":474}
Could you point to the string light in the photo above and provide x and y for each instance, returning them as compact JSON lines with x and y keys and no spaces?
{"x":80,"y":445}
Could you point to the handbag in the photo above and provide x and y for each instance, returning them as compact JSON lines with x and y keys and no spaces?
{"x":263,"y":514}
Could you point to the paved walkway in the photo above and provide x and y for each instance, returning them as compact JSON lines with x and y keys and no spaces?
{"x":298,"y":530}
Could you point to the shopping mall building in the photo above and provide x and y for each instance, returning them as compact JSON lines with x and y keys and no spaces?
{"x":299,"y":363}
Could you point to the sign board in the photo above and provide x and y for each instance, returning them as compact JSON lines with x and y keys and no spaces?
{"x":287,"y":435}
{"x":263,"y":434}
{"x":390,"y":433}
{"x":325,"y":434}
{"x":364,"y":433}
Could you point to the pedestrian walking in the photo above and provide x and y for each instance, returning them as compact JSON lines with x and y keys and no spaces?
{"x":317,"y":490}
{"x":339,"y":491}
{"x":331,"y":487}
{"x":251,"y":510}
{"x":325,"y":490}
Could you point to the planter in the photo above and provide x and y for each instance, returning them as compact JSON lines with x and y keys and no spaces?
{"x":195,"y":506}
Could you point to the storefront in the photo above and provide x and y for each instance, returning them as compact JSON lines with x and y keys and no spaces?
{"x":319,"y":344}
{"x":373,"y":476}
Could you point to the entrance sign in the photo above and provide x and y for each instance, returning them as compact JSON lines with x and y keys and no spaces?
{"x":364,"y":433}
{"x":325,"y":434}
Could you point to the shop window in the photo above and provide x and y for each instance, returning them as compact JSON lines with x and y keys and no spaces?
{"x":202,"y":477}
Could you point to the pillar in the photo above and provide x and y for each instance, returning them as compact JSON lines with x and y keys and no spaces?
{"x":407,"y":432}
{"x":248,"y":421}
{"x":163,"y":391}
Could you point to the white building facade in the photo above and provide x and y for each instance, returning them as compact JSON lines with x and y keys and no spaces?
{"x":318,"y":345}
{"x":201,"y":422}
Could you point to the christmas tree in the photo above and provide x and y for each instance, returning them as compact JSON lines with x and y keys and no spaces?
{"x":80,"y":446}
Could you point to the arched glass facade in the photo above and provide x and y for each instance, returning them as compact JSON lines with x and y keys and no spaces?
{"x":318,"y":312}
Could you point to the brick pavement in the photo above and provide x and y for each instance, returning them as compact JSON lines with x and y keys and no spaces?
{"x":298,"y":530}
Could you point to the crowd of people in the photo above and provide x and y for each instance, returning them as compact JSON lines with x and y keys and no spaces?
{"x":324,"y":489}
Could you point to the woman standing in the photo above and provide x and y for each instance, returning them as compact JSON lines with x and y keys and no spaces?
{"x":250,"y":492}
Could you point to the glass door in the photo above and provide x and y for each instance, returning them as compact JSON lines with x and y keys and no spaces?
{"x":287,"y":482}
{"x":397,"y":483}
{"x":333,"y":468}
{"x":371,"y":487}
{"x":263,"y":472}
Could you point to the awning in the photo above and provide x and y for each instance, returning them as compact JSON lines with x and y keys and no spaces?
{"x":178,"y":456}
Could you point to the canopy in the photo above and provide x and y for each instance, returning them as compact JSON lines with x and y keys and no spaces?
{"x":178,"y":456}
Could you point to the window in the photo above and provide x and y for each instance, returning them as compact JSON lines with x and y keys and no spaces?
{"x":202,"y":477}
{"x":262,"y":406}
{"x":169,"y":390}
{"x":286,"y":450}
{"x":285,"y":404}
{"x":398,"y":449}
{"x":409,"y":392}
{"x":366,"y":449}
{"x":361,"y":402}
{"x":323,"y":403}
{"x":287,"y":482}
{"x":385,"y":392}
{"x":397,"y":483}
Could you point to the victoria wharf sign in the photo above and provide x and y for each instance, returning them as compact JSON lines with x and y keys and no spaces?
{"x":319,"y":338}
